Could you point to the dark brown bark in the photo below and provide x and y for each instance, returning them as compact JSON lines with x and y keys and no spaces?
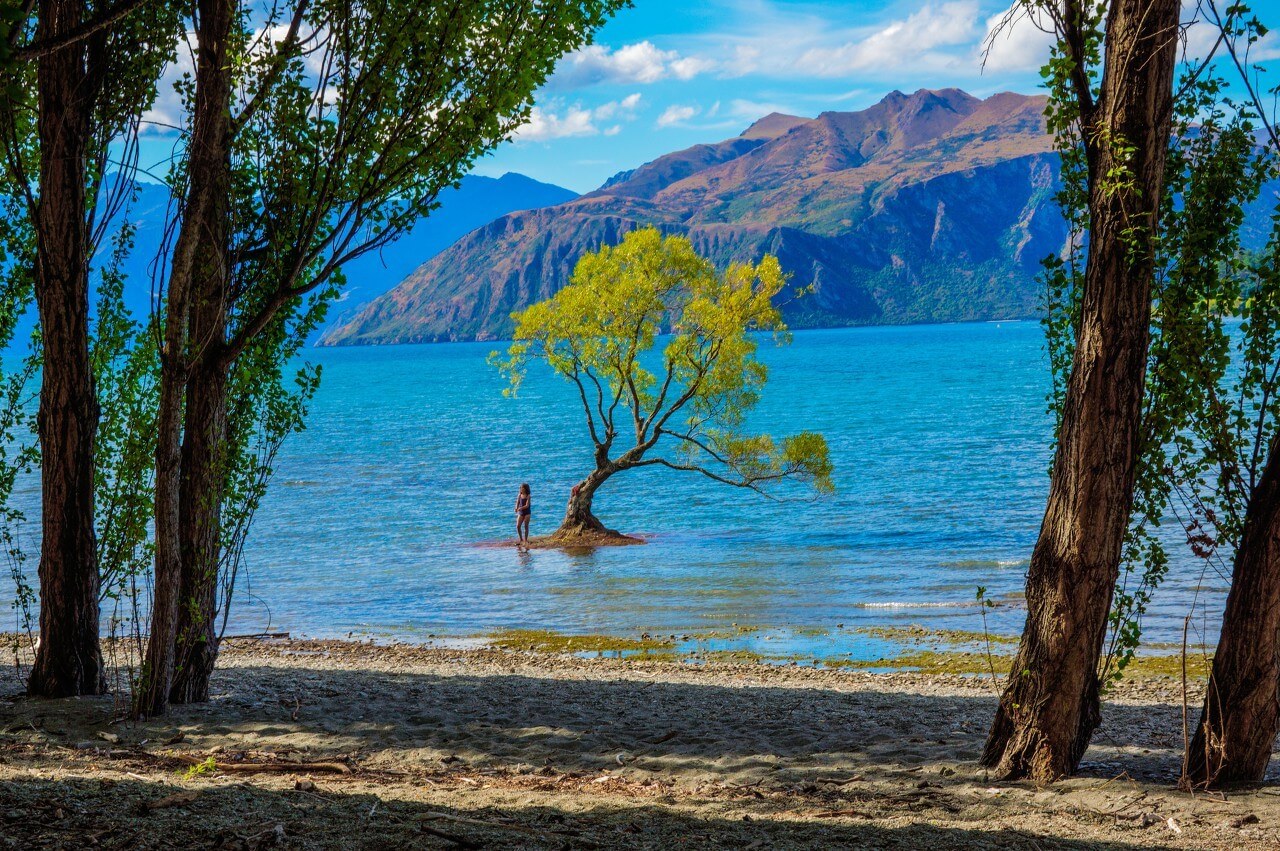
{"x":1241,"y":713}
{"x":200,"y":511}
{"x":69,"y":659}
{"x":199,"y":268}
{"x":1050,"y":708}
{"x":578,"y":518}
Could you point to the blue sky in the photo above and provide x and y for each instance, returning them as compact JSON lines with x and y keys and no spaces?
{"x":668,"y":74}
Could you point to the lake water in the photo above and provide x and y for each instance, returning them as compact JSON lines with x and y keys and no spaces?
{"x":939,"y":436}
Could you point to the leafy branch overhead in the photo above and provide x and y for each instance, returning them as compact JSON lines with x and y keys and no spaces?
{"x":661,"y":348}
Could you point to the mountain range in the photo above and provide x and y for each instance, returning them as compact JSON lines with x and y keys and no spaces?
{"x":463,"y":208}
{"x":933,"y":206}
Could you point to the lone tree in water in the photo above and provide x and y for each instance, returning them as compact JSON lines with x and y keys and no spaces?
{"x":689,"y":414}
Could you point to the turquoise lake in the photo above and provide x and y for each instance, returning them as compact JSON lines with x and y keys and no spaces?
{"x":379,"y":515}
{"x":939,"y":435}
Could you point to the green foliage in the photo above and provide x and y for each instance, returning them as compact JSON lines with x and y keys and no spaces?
{"x":1064,"y":74}
{"x":126,"y":373}
{"x":1210,"y":396}
{"x":18,"y":450}
{"x":269,"y":397}
{"x":124,"y":61}
{"x":348,"y":120}
{"x":348,"y":131}
{"x":200,"y":769}
{"x":621,"y":303}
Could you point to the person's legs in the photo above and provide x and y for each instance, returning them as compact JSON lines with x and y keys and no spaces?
{"x":522,"y":528}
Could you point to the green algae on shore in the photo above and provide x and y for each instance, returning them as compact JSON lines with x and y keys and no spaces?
{"x":945,"y":658}
{"x":917,"y":634}
{"x":548,"y":641}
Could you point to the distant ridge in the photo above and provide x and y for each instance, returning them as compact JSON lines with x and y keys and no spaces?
{"x":473,"y":202}
{"x":930,"y":206}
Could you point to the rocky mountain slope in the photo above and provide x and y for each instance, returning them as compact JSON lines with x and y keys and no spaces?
{"x":934,"y":206}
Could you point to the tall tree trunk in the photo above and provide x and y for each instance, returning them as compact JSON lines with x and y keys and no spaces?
{"x":1050,"y":705}
{"x":199,"y":266}
{"x":1241,"y":713}
{"x":578,"y":519}
{"x":152,"y":695}
{"x":69,"y":659}
{"x":200,"y":513}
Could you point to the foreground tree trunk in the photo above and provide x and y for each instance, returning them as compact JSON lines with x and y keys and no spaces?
{"x":1050,"y":707}
{"x":1241,"y":713}
{"x":200,"y":512}
{"x":69,"y":659}
{"x":199,"y":267}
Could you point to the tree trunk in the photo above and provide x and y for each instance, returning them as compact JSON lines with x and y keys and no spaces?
{"x":69,"y":659}
{"x":152,"y":694}
{"x":200,"y":513}
{"x":199,"y":266}
{"x":1241,"y":713}
{"x":578,"y":519}
{"x":1050,"y":707}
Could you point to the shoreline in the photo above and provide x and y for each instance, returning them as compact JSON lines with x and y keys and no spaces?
{"x":507,"y":748}
{"x":911,"y":649}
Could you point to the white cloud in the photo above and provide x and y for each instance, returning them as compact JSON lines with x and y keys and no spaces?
{"x":1016,"y":40}
{"x":544,"y":125}
{"x":689,"y":67}
{"x":898,"y":43}
{"x":642,"y":62}
{"x":167,"y":114}
{"x":676,"y":114}
{"x":934,"y":42}
{"x":626,"y":106}
{"x":555,"y":120}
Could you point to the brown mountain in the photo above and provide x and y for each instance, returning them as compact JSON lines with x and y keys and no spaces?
{"x":934,"y":206}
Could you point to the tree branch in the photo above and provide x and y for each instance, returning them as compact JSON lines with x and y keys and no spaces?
{"x":586,"y":407}
{"x":268,"y":81}
{"x":47,"y":46}
{"x":750,"y":483}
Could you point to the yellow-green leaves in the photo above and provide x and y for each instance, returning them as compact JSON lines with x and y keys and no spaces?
{"x":662,"y":348}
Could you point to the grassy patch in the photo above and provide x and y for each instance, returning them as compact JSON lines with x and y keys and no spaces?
{"x":547,"y":641}
{"x":919,"y":634}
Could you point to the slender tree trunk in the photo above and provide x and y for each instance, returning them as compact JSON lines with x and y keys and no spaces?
{"x":152,"y":694}
{"x":578,"y":519}
{"x":1241,"y":714}
{"x":1050,"y":705}
{"x":69,"y":659}
{"x":199,"y":266}
{"x":200,"y":514}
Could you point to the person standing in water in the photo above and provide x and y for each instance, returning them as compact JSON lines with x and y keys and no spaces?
{"x":524,"y":510}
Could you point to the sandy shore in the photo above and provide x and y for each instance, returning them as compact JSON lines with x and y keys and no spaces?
{"x":504,"y":749}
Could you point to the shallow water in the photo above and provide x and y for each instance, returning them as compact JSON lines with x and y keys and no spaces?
{"x":938,"y":433}
{"x":939,"y":436}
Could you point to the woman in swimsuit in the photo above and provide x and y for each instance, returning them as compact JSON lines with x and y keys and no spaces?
{"x":524,"y":509}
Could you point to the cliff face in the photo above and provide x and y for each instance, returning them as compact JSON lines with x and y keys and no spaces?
{"x":935,"y":206}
